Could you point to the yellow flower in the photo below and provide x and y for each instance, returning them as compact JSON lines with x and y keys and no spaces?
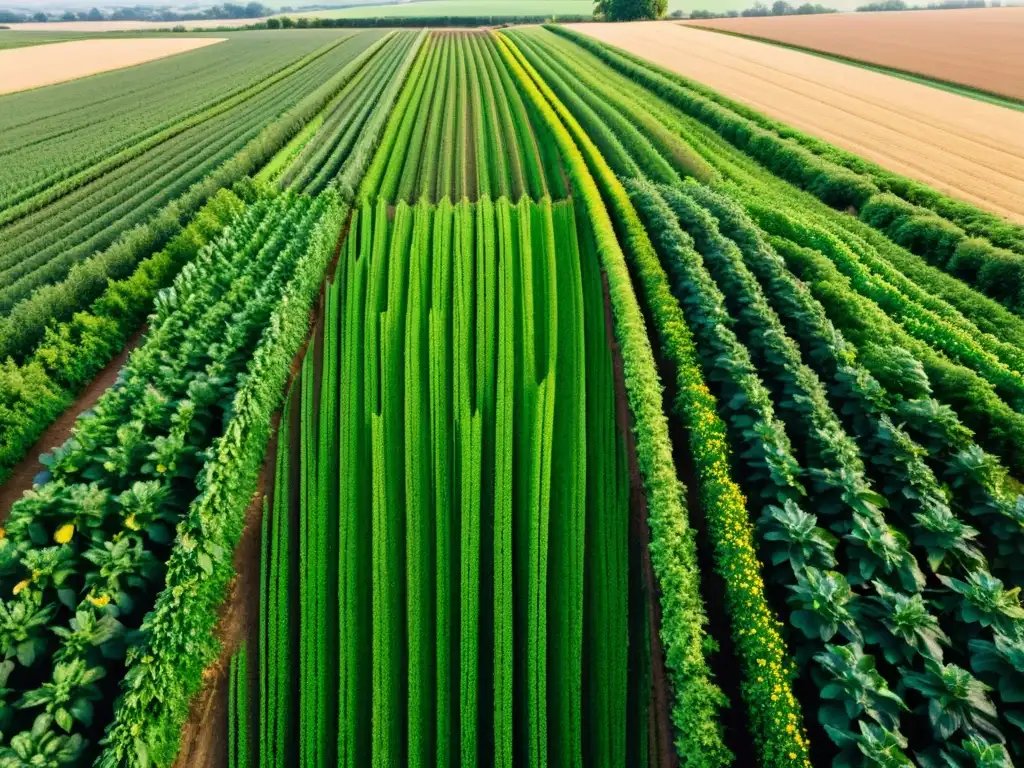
{"x":3,"y":534}
{"x":792,"y":755}
{"x":161,"y":468}
{"x":130,"y":523}
{"x":20,"y":586}
{"x":100,"y":601}
{"x":64,"y":533}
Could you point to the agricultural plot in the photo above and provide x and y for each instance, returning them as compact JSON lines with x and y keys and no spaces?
{"x":807,"y":333}
{"x":985,"y":40}
{"x":961,"y":146}
{"x":573,"y":413}
{"x":444,"y":609}
{"x":463,"y":130}
{"x":36,"y":66}
{"x":53,"y":347}
{"x":85,"y":556}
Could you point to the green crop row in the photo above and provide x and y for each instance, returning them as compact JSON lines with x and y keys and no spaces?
{"x":135,"y":200}
{"x":462,"y":129}
{"x":238,"y":710}
{"x":84,"y":551}
{"x":891,"y":410}
{"x":697,"y":700}
{"x":453,"y":367}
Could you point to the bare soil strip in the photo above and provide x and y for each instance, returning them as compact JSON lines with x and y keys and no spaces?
{"x":982,"y":47}
{"x":38,"y":65}
{"x":962,"y":146}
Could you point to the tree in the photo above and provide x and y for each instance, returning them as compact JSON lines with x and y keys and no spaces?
{"x":95,"y":15}
{"x":630,"y":10}
{"x":68,"y":16}
{"x":781,"y":8}
{"x":273,"y":23}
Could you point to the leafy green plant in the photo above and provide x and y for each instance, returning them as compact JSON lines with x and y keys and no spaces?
{"x":878,"y":548}
{"x":904,"y":626}
{"x":985,"y":601}
{"x":69,"y":696}
{"x":41,"y":747}
{"x":873,"y":745}
{"x":800,"y":541}
{"x":824,"y":605}
{"x":955,"y":701}
{"x":1001,"y":661}
{"x":853,"y":688}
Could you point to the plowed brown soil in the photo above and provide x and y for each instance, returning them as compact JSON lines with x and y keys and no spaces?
{"x":970,"y":149}
{"x":979,"y":47}
{"x":37,"y":65}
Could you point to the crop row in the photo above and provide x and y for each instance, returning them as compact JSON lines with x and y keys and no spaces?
{"x":462,"y":130}
{"x":48,"y":135}
{"x":865,"y":483}
{"x":453,"y":598}
{"x":41,"y":248}
{"x":86,"y":553}
{"x":59,"y":347}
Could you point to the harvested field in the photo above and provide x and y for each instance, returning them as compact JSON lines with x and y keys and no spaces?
{"x":967,"y":148}
{"x":989,"y":55}
{"x":32,"y":67}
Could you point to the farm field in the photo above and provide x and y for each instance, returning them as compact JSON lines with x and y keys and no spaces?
{"x":458,"y":8}
{"x":987,"y":41}
{"x":34,"y":66}
{"x":125,"y":26}
{"x":970,"y":149}
{"x":9,"y":39}
{"x":499,"y":398}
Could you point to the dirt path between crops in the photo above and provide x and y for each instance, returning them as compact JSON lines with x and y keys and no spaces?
{"x":989,"y":42}
{"x":39,"y":65}
{"x":204,"y":734}
{"x":23,"y":474}
{"x":967,"y":148}
{"x":661,"y":751}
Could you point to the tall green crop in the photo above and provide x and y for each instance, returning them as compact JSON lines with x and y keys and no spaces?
{"x":238,"y":710}
{"x":442,"y":454}
{"x":419,"y":541}
{"x":569,"y":465}
{"x":503,"y":486}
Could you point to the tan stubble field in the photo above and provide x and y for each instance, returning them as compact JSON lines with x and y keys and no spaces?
{"x":979,"y":47}
{"x":968,"y":148}
{"x":38,"y":65}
